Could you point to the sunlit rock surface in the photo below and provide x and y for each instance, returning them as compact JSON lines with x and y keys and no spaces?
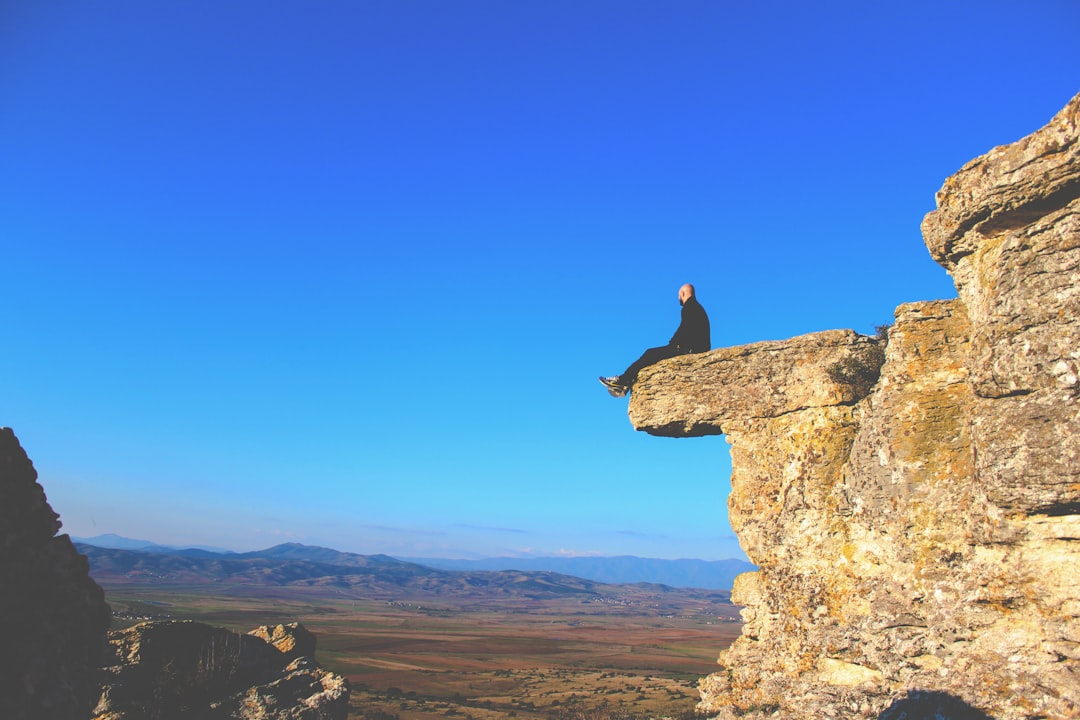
{"x":917,"y":530}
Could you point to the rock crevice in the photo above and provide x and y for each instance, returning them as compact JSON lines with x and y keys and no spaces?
{"x":913,"y":512}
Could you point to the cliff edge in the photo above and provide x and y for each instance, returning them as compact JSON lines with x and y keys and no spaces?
{"x":913,"y":506}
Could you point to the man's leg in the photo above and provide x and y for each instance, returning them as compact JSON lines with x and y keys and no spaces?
{"x":649,"y":357}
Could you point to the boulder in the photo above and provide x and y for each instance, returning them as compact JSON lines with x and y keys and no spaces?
{"x":184,"y":670}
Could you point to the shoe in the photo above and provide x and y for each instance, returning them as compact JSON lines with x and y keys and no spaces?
{"x":613,"y":386}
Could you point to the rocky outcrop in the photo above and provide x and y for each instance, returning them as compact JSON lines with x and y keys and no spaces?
{"x":183,"y":670}
{"x":915,"y":523}
{"x":54,"y":621}
{"x":53,"y":616}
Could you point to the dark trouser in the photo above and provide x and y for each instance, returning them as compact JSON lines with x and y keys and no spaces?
{"x":649,"y":357}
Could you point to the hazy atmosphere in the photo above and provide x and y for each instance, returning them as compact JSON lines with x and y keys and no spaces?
{"x":345,"y":273}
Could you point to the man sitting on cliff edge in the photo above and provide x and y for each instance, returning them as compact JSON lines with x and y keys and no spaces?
{"x":691,"y":337}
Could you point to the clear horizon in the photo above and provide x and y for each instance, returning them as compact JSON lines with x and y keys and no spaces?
{"x":346,"y":273}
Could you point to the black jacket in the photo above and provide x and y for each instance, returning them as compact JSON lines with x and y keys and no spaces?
{"x":693,"y":333}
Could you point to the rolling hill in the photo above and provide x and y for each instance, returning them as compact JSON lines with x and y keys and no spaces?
{"x":686,"y":573}
{"x":624,"y":569}
{"x":369,"y":576}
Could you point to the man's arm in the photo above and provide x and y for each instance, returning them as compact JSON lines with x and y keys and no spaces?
{"x":693,"y":332}
{"x":681,"y":337}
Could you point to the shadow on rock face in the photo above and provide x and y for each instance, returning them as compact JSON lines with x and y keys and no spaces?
{"x":926,"y":705}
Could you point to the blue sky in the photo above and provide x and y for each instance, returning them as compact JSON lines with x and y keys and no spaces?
{"x":345,"y":273}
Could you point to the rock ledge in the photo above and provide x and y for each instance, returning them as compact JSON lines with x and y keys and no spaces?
{"x":915,"y":524}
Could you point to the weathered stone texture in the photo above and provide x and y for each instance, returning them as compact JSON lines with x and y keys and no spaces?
{"x":917,"y":541}
{"x":699,"y":394}
{"x":1007,"y":228}
{"x":53,"y":617}
{"x":182,"y":670}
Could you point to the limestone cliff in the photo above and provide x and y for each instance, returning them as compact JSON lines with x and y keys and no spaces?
{"x":915,"y":523}
{"x":53,"y":616}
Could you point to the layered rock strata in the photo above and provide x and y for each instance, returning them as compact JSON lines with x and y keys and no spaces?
{"x":183,"y":670}
{"x":53,"y":616}
{"x":915,"y":523}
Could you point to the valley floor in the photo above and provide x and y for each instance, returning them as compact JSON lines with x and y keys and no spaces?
{"x":479,"y":659}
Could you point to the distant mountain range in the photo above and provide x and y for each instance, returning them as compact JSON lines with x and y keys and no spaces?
{"x":118,"y":542}
{"x":704,"y":574}
{"x":117,"y":558}
{"x":286,"y":570}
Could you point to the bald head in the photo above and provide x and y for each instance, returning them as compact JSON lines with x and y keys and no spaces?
{"x":685,"y":293}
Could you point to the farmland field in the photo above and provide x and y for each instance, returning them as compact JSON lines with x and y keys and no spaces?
{"x":481,"y":659}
